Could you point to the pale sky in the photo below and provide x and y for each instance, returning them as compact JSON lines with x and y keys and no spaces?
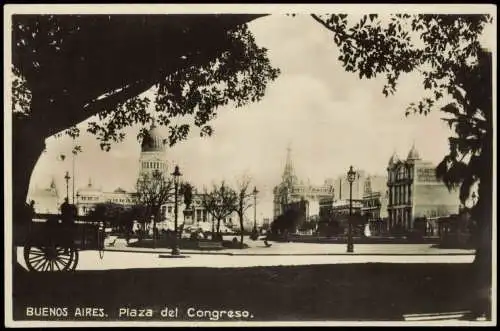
{"x":331,"y":118}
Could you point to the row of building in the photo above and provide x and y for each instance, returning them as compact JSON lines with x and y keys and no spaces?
{"x":153,"y":157}
{"x":407,"y":192}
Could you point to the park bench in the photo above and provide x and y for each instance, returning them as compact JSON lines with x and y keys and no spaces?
{"x":209,"y":244}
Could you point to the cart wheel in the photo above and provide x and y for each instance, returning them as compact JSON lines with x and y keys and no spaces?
{"x":49,"y":258}
{"x":75,"y":256}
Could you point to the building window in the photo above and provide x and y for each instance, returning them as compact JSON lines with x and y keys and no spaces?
{"x":170,"y":209}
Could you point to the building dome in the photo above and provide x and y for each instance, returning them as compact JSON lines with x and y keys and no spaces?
{"x":394,"y":159}
{"x":88,"y":188}
{"x":413,"y":154}
{"x":119,"y":190}
{"x":153,"y":141}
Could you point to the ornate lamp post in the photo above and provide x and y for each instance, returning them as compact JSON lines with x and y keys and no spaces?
{"x":255,"y":208}
{"x":67,"y":178}
{"x":177,"y":174}
{"x":73,"y":184}
{"x":351,"y":176}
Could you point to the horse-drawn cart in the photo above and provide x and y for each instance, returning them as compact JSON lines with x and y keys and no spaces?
{"x":51,"y":245}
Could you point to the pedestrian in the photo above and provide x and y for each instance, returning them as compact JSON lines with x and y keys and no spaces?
{"x":266,"y":240}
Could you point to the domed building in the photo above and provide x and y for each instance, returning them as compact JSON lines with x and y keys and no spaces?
{"x":153,"y":152}
{"x":416,"y":193}
{"x":153,"y":157}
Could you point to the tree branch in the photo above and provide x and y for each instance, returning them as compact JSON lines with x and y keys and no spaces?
{"x":320,"y":21}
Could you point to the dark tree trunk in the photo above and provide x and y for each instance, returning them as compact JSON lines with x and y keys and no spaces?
{"x":241,"y":228}
{"x":483,"y":236}
{"x":218,"y":226}
{"x":27,"y":146}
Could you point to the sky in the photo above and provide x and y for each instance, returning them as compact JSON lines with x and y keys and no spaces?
{"x":330,"y":118}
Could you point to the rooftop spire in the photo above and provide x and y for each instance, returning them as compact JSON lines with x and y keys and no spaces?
{"x":413,"y":154}
{"x":289,"y":171}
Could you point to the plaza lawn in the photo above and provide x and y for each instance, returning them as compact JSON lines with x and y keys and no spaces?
{"x":372,"y":291}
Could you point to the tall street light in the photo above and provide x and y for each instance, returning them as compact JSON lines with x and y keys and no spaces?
{"x":77,"y":203}
{"x":177,"y":174}
{"x":351,"y":176}
{"x":255,"y":208}
{"x":67,"y":178}
{"x":73,"y":184}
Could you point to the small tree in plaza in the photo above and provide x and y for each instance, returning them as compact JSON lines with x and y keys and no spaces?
{"x":154,"y":189}
{"x":244,"y":201}
{"x":111,"y":213}
{"x":219,"y":202}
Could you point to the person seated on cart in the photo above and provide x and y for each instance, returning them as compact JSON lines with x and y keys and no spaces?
{"x":68,"y":215}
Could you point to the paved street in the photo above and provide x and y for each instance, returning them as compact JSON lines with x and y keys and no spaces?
{"x":295,"y":248}
{"x":278,"y":254}
{"x":119,"y":260}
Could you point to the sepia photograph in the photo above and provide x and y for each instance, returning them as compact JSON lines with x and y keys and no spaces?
{"x":249,"y":165}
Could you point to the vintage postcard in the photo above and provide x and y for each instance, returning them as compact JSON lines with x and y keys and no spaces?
{"x":250,"y":165}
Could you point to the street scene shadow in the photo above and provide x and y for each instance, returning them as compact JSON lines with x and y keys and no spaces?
{"x":341,"y":292}
{"x":164,"y":256}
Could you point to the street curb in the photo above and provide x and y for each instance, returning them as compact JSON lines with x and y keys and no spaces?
{"x":297,"y":254}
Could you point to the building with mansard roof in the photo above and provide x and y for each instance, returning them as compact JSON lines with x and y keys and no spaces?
{"x":415,"y":192}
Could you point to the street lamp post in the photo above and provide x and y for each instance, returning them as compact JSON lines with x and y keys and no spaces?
{"x":67,"y":178}
{"x":73,"y":184}
{"x":77,"y":203}
{"x":176,"y":174}
{"x":255,"y":208}
{"x":351,"y":176}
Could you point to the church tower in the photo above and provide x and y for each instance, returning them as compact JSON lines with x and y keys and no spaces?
{"x":289,"y":178}
{"x":153,"y":152}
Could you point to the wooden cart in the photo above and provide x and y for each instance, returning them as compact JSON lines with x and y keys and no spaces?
{"x":51,"y":246}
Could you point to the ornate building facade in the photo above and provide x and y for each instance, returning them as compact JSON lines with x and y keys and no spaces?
{"x":291,"y":191}
{"x":88,"y":197}
{"x":415,"y":192}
